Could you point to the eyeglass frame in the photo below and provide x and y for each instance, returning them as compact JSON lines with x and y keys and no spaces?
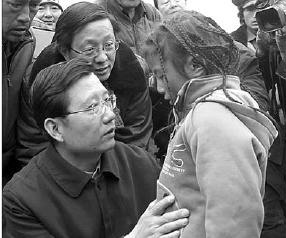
{"x":103,"y":104}
{"x":97,"y":49}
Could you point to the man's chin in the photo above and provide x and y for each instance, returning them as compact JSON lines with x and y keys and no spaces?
{"x":110,"y":145}
{"x":14,"y":37}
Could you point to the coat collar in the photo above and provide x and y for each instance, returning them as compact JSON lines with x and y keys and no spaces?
{"x":195,"y":89}
{"x":127,"y":73}
{"x":71,"y":179}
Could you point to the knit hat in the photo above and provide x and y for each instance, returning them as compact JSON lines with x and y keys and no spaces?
{"x":54,"y":2}
{"x":244,"y":3}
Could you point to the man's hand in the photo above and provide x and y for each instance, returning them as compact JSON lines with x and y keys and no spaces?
{"x":155,"y":223}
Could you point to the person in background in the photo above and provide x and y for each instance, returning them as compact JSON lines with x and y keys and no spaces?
{"x":85,"y":184}
{"x":93,"y":35}
{"x":167,"y":7}
{"x":271,"y":65}
{"x":47,"y":15}
{"x":135,"y":20}
{"x":217,"y":155}
{"x":246,"y":33}
{"x":17,"y":51}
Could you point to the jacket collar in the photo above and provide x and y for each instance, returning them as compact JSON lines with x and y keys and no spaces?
{"x":115,"y":8}
{"x":71,"y":179}
{"x":9,"y":48}
{"x":127,"y":73}
{"x":195,"y":89}
{"x":240,"y":34}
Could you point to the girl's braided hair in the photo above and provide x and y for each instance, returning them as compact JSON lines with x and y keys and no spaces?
{"x":187,"y":33}
{"x":191,"y":33}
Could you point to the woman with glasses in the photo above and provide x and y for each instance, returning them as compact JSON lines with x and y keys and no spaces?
{"x":217,"y":154}
{"x":87,"y":30}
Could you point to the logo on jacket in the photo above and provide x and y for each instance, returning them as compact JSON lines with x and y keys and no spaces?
{"x":176,"y":155}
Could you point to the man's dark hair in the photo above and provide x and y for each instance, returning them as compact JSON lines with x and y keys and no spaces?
{"x":48,"y":91}
{"x":77,"y":16}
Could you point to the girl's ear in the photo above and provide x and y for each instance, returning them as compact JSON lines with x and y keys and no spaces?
{"x":192,"y":69}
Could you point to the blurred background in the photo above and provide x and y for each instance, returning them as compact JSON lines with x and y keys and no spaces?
{"x":222,"y":11}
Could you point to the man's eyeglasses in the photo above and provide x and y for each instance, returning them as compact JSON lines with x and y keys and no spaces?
{"x":99,"y":108}
{"x":109,"y":47}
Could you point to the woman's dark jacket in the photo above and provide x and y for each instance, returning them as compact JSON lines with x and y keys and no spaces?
{"x":128,"y":82}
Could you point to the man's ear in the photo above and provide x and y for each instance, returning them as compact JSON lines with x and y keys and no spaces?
{"x":64,"y":52}
{"x":53,"y":127}
{"x":192,"y":69}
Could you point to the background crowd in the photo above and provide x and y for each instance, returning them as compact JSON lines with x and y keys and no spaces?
{"x":108,"y":105}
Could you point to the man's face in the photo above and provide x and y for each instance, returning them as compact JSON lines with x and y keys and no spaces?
{"x":17,"y":16}
{"x":49,"y":13}
{"x":87,"y":132}
{"x":96,"y":34}
{"x":128,"y":3}
{"x":167,"y":7}
{"x":249,"y":18}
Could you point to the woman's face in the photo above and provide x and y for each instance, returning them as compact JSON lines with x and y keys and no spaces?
{"x":96,"y":35}
{"x":49,"y":13}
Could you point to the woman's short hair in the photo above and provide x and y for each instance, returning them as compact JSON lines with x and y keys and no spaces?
{"x":191,"y":33}
{"x":48,"y":91}
{"x":77,"y":16}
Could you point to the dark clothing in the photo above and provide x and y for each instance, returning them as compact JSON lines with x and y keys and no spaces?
{"x":129,"y":85}
{"x":51,"y":198}
{"x":15,"y":59}
{"x":251,"y":77}
{"x":275,"y":189}
{"x":133,"y":31}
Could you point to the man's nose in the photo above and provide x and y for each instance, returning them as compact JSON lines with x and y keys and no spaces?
{"x":48,"y":13}
{"x":101,"y":56}
{"x":24,"y":15}
{"x":108,"y":115}
{"x":173,"y":3}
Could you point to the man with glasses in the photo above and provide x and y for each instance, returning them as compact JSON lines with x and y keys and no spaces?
{"x":17,"y":51}
{"x":86,"y":30}
{"x":85,"y":184}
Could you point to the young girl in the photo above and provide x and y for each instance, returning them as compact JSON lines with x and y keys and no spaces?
{"x":217,"y":154}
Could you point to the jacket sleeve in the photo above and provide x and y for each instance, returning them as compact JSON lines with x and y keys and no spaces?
{"x":137,"y":119}
{"x":30,"y":139}
{"x":227,"y":171}
{"x":251,"y":77}
{"x":18,"y":221}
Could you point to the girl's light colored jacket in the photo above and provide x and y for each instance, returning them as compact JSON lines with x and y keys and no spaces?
{"x":216,"y":160}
